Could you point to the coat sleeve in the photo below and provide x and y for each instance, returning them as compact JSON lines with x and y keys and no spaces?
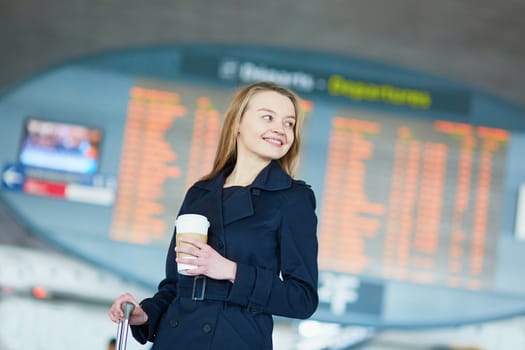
{"x":158,"y":304}
{"x":293,"y":292}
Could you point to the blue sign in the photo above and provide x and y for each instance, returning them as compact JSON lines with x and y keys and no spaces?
{"x":13,"y":176}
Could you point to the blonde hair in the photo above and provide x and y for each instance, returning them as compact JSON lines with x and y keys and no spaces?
{"x":226,"y":154}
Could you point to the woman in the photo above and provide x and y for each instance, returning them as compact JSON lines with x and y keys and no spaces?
{"x":261,"y":255}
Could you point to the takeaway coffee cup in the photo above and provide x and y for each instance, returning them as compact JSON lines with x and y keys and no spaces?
{"x":190,"y":226}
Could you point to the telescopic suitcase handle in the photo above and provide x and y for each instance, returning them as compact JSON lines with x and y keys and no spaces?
{"x":122,"y":331}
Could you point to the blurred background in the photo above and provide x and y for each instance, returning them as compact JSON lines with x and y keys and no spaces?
{"x":413,"y":144}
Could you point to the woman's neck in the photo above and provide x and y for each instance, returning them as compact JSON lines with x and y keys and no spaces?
{"x":244,"y":173}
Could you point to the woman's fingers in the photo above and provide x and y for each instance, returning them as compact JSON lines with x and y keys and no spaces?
{"x":115,"y":312}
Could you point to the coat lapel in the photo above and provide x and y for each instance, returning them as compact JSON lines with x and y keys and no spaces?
{"x":238,"y":206}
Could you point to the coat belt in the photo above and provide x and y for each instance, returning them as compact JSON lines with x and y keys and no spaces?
{"x":203,"y":288}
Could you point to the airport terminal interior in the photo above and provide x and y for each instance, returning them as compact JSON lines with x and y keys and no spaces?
{"x":413,"y":144}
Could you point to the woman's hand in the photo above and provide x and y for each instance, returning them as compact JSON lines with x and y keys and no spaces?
{"x":208,"y":261}
{"x":116,"y":314}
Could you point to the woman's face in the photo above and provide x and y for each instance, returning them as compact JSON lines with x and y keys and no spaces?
{"x":266,"y":130}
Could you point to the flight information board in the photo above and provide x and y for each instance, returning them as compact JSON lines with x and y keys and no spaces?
{"x":170,"y":140}
{"x":415,"y":177}
{"x":411,"y":200}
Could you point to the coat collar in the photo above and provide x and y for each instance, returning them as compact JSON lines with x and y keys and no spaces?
{"x":271,"y":178}
{"x":240,"y":205}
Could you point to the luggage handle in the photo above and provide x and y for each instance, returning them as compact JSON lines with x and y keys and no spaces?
{"x":122,"y":331}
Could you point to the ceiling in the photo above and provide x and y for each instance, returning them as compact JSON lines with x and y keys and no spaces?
{"x":479,"y":43}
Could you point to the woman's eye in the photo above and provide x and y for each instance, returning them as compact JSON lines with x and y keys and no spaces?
{"x":289,"y":124}
{"x":267,"y":117}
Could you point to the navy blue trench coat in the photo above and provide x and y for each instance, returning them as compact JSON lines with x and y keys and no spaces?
{"x":269,"y":229}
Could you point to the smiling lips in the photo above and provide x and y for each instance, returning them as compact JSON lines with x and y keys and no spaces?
{"x":274,"y":141}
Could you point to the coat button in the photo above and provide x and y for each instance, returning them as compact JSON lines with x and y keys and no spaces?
{"x":174,"y":323}
{"x":220,"y":245}
{"x":206,"y":328}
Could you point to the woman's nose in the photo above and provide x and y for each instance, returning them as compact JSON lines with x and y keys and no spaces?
{"x":278,"y":130}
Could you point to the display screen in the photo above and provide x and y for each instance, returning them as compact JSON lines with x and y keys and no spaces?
{"x":410,"y":199}
{"x":60,"y":146}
